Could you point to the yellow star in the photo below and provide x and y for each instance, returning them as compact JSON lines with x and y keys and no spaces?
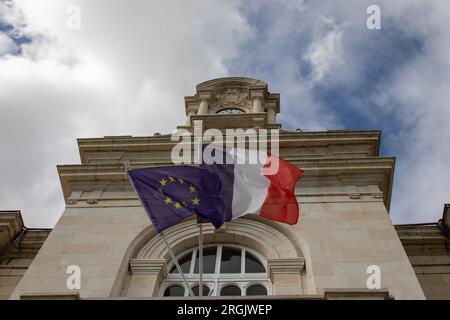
{"x":181,"y":181}
{"x":196,"y":201}
{"x":163,"y":182}
{"x":172,"y":179}
{"x":160,"y":190}
{"x":168,"y":200}
{"x":177,"y":205}
{"x":192,"y":188}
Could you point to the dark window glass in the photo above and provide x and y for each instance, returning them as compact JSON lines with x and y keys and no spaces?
{"x":252,"y":264}
{"x":209,"y":260}
{"x":231,"y":260}
{"x":230,"y":291}
{"x":185,"y":263}
{"x":256,"y":290}
{"x":174,"y":291}
{"x":205,"y":290}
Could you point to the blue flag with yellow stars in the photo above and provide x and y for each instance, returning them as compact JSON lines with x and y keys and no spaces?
{"x":170,"y":194}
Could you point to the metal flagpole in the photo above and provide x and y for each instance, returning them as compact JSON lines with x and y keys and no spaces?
{"x":174,"y":259}
{"x":200,"y":260}
{"x":172,"y":256}
{"x":200,"y":238}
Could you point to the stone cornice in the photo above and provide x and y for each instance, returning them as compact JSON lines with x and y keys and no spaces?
{"x":287,"y":139}
{"x":319,"y":165}
{"x":11,"y":225}
{"x":147,"y":266}
{"x":356,"y":171}
{"x":314,"y":135}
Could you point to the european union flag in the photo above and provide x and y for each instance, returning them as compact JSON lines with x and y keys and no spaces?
{"x":170,"y":194}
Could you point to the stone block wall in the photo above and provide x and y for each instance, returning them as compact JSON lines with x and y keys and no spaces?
{"x":428,"y":249}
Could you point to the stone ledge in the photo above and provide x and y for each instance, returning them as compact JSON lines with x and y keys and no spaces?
{"x":147,"y":266}
{"x":357,"y":294}
{"x":67,"y":295}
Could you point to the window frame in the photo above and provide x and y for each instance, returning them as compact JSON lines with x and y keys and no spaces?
{"x":216,"y":281}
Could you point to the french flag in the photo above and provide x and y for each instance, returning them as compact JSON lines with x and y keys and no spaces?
{"x":228,"y":184}
{"x":255,"y":182}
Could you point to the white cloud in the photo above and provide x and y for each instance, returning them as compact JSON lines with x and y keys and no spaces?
{"x":325,"y":52}
{"x":423,"y":89}
{"x":7,"y":45}
{"x":128,"y":62}
{"x":378,"y":76}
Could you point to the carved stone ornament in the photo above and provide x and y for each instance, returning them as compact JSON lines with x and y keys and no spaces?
{"x":232,"y":98}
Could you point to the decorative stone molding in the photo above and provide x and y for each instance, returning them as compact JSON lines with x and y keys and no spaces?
{"x":342,"y":172}
{"x":377,"y":195}
{"x":231,"y":98}
{"x":286,"y":266}
{"x":246,"y":94}
{"x":146,"y":266}
{"x":92,"y":201}
{"x":354,"y":196}
{"x":263,"y":238}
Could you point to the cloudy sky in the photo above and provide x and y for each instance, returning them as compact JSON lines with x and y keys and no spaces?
{"x":131,"y":59}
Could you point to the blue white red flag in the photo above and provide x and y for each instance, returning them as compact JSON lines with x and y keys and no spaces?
{"x":219,"y":192}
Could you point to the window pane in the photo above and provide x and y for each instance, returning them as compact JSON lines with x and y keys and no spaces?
{"x":252,"y":264}
{"x":230,"y":291}
{"x":256,"y":290}
{"x":209,"y":260}
{"x":184,"y":262}
{"x":231,"y":260}
{"x":205,"y":290}
{"x":174,"y":291}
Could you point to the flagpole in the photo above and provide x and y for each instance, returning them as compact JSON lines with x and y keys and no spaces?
{"x":174,"y":259}
{"x":172,"y":256}
{"x":200,"y":238}
{"x":200,"y":260}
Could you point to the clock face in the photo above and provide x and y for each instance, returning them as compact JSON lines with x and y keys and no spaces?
{"x":230,"y":111}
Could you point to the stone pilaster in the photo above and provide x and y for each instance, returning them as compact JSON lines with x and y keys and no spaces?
{"x":285,"y":275}
{"x":145,"y":277}
{"x":257,"y":97}
{"x":204,"y":98}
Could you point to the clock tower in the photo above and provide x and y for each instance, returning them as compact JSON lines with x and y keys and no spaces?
{"x":233,"y":102}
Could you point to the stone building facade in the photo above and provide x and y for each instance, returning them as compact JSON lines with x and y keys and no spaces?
{"x":18,"y":247}
{"x":344,"y":228}
{"x":428,"y":248}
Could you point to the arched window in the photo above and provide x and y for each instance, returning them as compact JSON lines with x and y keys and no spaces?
{"x":228,"y":270}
